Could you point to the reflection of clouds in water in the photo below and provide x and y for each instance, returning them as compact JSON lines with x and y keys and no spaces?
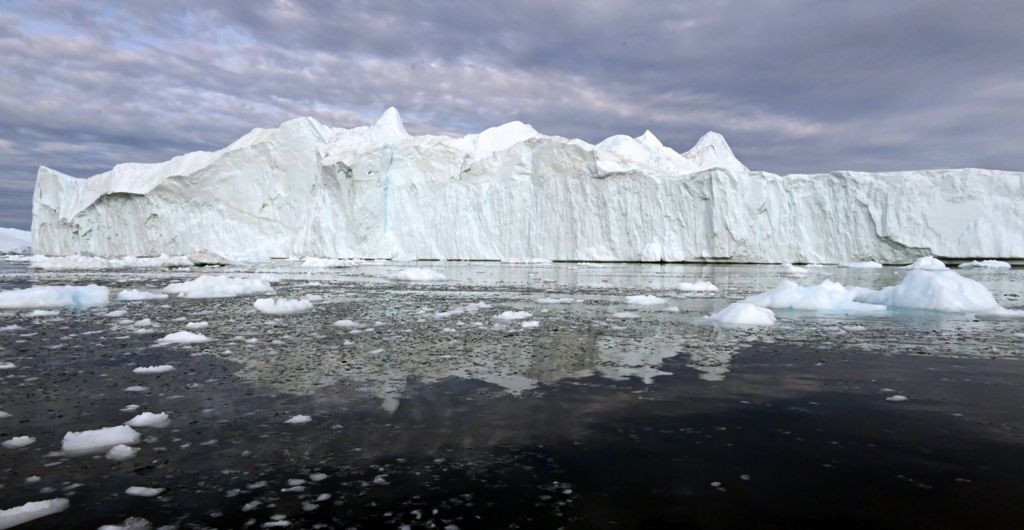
{"x":513,"y":367}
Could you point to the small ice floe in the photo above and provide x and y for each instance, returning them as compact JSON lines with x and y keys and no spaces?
{"x":4,"y":415}
{"x":143,"y":323}
{"x":744,"y":314}
{"x":121,"y":452}
{"x":897,"y":397}
{"x":530,"y":324}
{"x":207,"y":286}
{"x":98,"y":440}
{"x":697,"y":287}
{"x":12,"y":327}
{"x":136,"y":388}
{"x":73,"y":296}
{"x":347,"y":324}
{"x":149,"y":419}
{"x":143,"y":491}
{"x":131,"y":523}
{"x":183,"y":337}
{"x":556,"y":300}
{"x":282,"y":306}
{"x":30,"y":511}
{"x":7,"y":365}
{"x":330,"y":262}
{"x":827,"y":296}
{"x":418,"y":275}
{"x":1001,"y":313}
{"x":985,"y":264}
{"x":197,"y":325}
{"x":789,"y":268}
{"x":158,"y":369}
{"x":927,"y":263}
{"x":116,"y":314}
{"x":42,"y":313}
{"x":861,"y":265}
{"x":625,"y":315}
{"x":298,"y":419}
{"x":135,"y":295}
{"x":313,"y":297}
{"x":644,"y":299}
{"x":513,"y":315}
{"x":18,"y":442}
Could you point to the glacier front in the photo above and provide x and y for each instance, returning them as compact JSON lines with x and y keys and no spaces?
{"x":509,"y":192}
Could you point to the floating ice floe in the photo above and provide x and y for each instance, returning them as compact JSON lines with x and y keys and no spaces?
{"x":121,"y":452}
{"x":282,"y":306}
{"x":130,"y":523}
{"x":347,"y":324}
{"x":298,"y":419}
{"x":1001,"y":313}
{"x":207,"y":286}
{"x":744,"y":314}
{"x":789,"y":268}
{"x":330,"y":262}
{"x":985,"y":264}
{"x":625,"y":315}
{"x":828,"y":296}
{"x":942,"y":290}
{"x":135,"y":295}
{"x":18,"y":442}
{"x":183,"y":337}
{"x":697,"y":287}
{"x":90,"y":262}
{"x":30,"y":511}
{"x":927,"y":263}
{"x":513,"y":315}
{"x":418,"y":275}
{"x":159,"y":369}
{"x":645,"y":299}
{"x":98,"y":440}
{"x":197,"y":325}
{"x":862,"y":265}
{"x":142,"y":491}
{"x":556,"y":300}
{"x":150,"y":419}
{"x":42,"y":313}
{"x":73,"y":296}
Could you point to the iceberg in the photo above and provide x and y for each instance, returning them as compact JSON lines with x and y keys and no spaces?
{"x":14,"y":241}
{"x":512,"y":193}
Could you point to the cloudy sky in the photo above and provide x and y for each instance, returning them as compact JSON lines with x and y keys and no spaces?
{"x":794,"y":85}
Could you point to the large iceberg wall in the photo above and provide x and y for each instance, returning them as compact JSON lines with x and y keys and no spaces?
{"x":305,"y":189}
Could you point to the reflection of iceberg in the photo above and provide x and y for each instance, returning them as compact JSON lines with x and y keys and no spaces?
{"x":512,"y":366}
{"x":713,"y":353}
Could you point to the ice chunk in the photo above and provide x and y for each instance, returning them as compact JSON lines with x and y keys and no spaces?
{"x":828,"y":296}
{"x":556,"y":300}
{"x":644,"y":299}
{"x":72,"y":296}
{"x":142,"y":491}
{"x":301,"y":418}
{"x":7,"y":365}
{"x":98,"y":440}
{"x":183,"y":337}
{"x":789,"y":268}
{"x":18,"y":442}
{"x":121,"y":452}
{"x":700,"y":286}
{"x":943,"y":290}
{"x":42,"y":313}
{"x":513,"y":315}
{"x":149,"y":419}
{"x":131,"y":523}
{"x":862,"y":265}
{"x":927,"y":263}
{"x":347,"y":324}
{"x":207,"y":286}
{"x":985,"y":264}
{"x":161,"y":368}
{"x":330,"y":263}
{"x":419,"y":275}
{"x":744,"y":314}
{"x":530,"y":324}
{"x":282,"y":306}
{"x":30,"y":511}
{"x":132,"y":295}
{"x":1002,"y":314}
{"x":197,"y":325}
{"x":626,"y":315}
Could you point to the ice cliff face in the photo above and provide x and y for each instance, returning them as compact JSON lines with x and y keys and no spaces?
{"x":305,"y":189}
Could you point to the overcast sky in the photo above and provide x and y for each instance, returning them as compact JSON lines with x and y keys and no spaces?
{"x":794,"y":85}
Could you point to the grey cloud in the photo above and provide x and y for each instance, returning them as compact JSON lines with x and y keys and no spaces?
{"x":795,"y":85}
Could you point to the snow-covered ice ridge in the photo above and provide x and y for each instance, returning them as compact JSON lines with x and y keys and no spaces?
{"x":509,"y":192}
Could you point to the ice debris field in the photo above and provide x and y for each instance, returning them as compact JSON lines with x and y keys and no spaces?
{"x":154,"y":343}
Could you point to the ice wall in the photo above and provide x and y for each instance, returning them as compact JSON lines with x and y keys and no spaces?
{"x":305,"y":189}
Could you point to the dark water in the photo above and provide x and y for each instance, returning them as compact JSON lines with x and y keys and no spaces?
{"x":584,"y":422}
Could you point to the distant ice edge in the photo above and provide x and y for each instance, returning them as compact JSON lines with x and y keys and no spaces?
{"x":305,"y":189}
